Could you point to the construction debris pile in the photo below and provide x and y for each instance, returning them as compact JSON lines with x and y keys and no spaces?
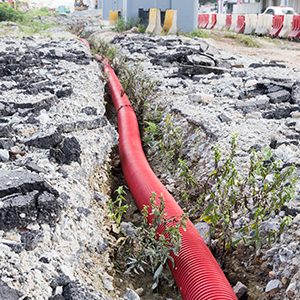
{"x":55,"y":144}
{"x":215,"y":94}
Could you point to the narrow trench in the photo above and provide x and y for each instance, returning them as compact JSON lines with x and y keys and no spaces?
{"x":141,"y":282}
{"x":240,"y":265}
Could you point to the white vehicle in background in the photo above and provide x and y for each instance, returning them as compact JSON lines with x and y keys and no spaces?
{"x":279,"y":10}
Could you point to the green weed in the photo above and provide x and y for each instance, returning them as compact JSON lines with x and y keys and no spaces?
{"x":243,"y":39}
{"x":240,"y":205}
{"x":7,"y":13}
{"x":154,"y":249}
{"x":123,"y":25}
{"x":199,"y":33}
{"x":116,"y":206}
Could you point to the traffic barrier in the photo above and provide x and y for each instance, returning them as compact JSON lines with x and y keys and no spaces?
{"x":203,"y":20}
{"x":240,"y":24}
{"x":295,"y":32}
{"x":212,"y":21}
{"x":251,"y":23}
{"x":113,"y":17}
{"x":277,"y":25}
{"x":154,"y":25}
{"x":287,"y":26}
{"x":233,"y":22}
{"x":228,"y":22}
{"x":264,"y":24}
{"x":170,"y":23}
{"x":221,"y":22}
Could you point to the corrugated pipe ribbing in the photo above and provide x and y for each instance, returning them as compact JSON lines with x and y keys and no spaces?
{"x":196,"y":272}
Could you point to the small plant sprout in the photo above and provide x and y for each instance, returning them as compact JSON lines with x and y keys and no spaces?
{"x":117,"y":208}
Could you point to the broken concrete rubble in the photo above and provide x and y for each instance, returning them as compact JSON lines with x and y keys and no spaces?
{"x":50,"y":96}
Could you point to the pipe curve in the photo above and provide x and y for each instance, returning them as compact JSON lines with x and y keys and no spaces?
{"x":196,"y":272}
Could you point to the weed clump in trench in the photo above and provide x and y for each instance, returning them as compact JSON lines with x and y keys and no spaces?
{"x":243,"y":207}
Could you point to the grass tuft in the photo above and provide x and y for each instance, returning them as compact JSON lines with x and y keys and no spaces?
{"x":243,"y":39}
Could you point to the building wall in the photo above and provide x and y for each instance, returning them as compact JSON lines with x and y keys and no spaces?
{"x":187,"y":14}
{"x":187,"y":10}
{"x":134,"y":5}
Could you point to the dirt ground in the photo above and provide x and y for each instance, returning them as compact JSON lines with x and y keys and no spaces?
{"x":284,"y":51}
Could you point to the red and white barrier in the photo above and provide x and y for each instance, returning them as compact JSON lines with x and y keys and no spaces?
{"x":221,"y":22}
{"x":276,"y":25}
{"x":234,"y":18}
{"x":264,"y":24}
{"x":295,"y":32}
{"x":284,"y":26}
{"x":251,"y":23}
{"x":203,"y":20}
{"x":212,"y":21}
{"x":287,"y":26}
{"x":240,"y":24}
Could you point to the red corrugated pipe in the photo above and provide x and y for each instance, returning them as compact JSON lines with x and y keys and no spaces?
{"x":196,"y":272}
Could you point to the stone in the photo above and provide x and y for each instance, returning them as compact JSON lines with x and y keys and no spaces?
{"x":128,"y":229}
{"x":7,"y":293}
{"x":34,"y":105}
{"x":61,"y":280}
{"x":67,"y":151}
{"x":291,"y":290}
{"x":76,"y":291}
{"x":191,"y":70}
{"x":57,"y":297}
{"x":107,"y":282}
{"x":261,"y":65}
{"x":101,"y":246}
{"x":31,"y":166}
{"x":6,"y":131}
{"x":262,"y":101}
{"x":82,"y":125}
{"x":295,"y":114}
{"x":6,"y":143}
{"x":250,"y":83}
{"x":201,"y":98}
{"x":295,"y":95}
{"x":246,"y":106}
{"x":204,"y":230}
{"x":224,"y":118}
{"x":280,"y":113}
{"x":4,"y":155}
{"x":273,"y":285}
{"x":45,"y":140}
{"x":31,"y":239}
{"x":131,"y":295}
{"x":89,"y":110}
{"x":64,"y":91}
{"x":240,"y":290}
{"x":25,"y":198}
{"x":279,"y":96}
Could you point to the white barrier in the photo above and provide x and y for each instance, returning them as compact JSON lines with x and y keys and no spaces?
{"x":233,"y":22}
{"x":264,"y":24}
{"x":154,"y":25}
{"x":211,"y":22}
{"x":251,"y":23}
{"x":287,"y":26}
{"x":221,"y":21}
